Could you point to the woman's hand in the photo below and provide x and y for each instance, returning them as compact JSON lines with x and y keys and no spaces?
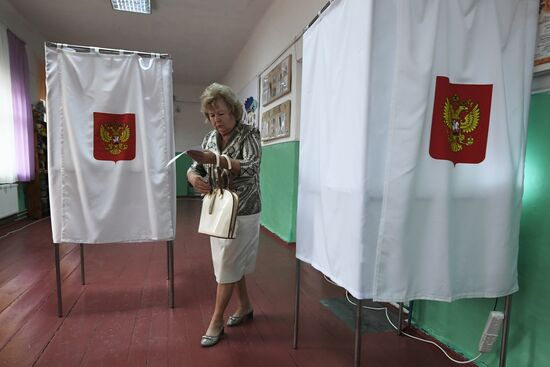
{"x":202,"y":157}
{"x":198,"y":183}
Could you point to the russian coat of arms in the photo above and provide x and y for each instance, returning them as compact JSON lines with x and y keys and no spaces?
{"x":114,"y":136}
{"x":460,"y":121}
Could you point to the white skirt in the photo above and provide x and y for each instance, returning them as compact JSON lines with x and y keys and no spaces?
{"x":234,"y":258}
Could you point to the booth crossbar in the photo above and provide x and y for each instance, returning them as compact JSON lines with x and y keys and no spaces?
{"x":104,"y":50}
{"x":170,"y":271}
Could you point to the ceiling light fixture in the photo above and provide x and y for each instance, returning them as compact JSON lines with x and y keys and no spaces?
{"x":134,"y":6}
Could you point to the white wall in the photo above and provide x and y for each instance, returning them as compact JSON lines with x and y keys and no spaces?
{"x":276,"y":30}
{"x":189,"y":126}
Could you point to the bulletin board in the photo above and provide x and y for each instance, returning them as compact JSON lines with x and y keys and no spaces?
{"x":277,"y":82}
{"x":542,"y":51}
{"x":276,"y":122}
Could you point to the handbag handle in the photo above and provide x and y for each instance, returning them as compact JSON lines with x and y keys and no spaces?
{"x":228,"y":172}
{"x":227,"y":159}
{"x":214,"y":181}
{"x":219,"y":172}
{"x":210,"y":176}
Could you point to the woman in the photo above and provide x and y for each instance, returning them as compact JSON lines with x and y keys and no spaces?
{"x":232,"y":259}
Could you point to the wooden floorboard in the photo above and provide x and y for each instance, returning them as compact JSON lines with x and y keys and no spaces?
{"x":121,"y":316}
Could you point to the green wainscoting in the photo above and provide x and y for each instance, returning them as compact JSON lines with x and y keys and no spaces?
{"x":279,"y":187}
{"x":460,"y":324}
{"x":21,"y":197}
{"x":182,"y":165}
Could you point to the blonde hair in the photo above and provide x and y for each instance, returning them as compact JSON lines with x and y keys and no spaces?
{"x":215,"y":92}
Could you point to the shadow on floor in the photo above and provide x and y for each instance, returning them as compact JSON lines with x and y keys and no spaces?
{"x":372,"y":321}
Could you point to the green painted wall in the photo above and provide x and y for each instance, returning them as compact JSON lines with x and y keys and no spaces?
{"x":460,"y":324}
{"x":182,"y":164}
{"x":279,"y":187}
{"x":21,"y":197}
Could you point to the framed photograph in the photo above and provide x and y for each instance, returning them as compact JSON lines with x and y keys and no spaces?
{"x":277,"y":82}
{"x":276,"y":122}
{"x":542,"y":51}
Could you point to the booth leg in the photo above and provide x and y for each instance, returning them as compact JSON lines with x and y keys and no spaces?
{"x":505,"y":328}
{"x":400,"y":319}
{"x":82,"y":272}
{"x":168,"y":260}
{"x":357,"y":358}
{"x":296,"y":304}
{"x":171,"y":271}
{"x":58,"y":279}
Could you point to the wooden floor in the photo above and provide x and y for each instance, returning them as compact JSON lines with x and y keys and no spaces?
{"x":121,"y":316}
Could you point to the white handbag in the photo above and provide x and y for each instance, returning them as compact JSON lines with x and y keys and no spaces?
{"x":219,"y":207}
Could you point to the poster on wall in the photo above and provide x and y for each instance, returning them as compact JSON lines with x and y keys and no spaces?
{"x":542,"y":53}
{"x":249,"y":97}
{"x":276,"y":122}
{"x":277,"y":82}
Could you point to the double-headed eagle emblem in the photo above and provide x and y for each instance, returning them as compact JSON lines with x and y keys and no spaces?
{"x":114,"y":137}
{"x":461,"y":118}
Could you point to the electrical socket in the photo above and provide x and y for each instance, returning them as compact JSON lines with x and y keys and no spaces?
{"x":490,"y":333}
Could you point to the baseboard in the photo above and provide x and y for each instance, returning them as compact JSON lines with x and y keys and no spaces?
{"x":277,"y":239}
{"x":14,"y":217}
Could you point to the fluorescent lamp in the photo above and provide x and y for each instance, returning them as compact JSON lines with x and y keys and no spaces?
{"x":134,"y":6}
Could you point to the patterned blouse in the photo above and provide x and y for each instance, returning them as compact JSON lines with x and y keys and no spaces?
{"x":244,"y":145}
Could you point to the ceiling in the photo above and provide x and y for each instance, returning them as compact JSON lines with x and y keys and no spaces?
{"x":202,"y":36}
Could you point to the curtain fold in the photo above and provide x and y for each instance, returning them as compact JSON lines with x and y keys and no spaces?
{"x":21,"y":105}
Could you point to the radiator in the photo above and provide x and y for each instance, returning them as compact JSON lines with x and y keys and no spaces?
{"x":9,"y":202}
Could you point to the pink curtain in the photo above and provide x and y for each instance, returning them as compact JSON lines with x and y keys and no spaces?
{"x":22,"y":115}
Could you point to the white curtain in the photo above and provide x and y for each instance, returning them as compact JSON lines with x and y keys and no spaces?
{"x":376,"y":212}
{"x":110,"y":135}
{"x":8,"y":172}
